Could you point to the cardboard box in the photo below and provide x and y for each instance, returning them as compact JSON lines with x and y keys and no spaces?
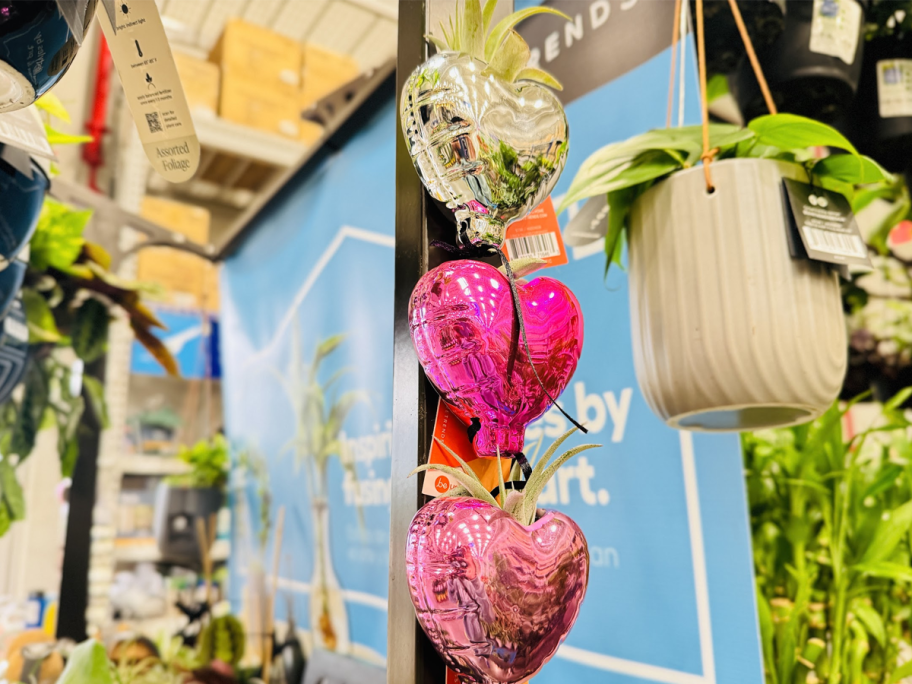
{"x":324,"y":71}
{"x":247,"y":102}
{"x":200,"y":80}
{"x":253,"y":51}
{"x":186,"y":278}
{"x":310,"y":132}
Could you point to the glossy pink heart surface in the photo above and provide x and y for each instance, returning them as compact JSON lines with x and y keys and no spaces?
{"x":461,"y":319}
{"x":496,"y":598}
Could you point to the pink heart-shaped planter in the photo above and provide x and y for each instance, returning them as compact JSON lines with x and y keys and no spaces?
{"x":496,"y":598}
{"x":461,"y":319}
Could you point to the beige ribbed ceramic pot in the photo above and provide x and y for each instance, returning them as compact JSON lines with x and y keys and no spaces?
{"x":730,"y":332}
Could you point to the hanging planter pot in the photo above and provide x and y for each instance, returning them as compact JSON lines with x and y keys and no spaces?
{"x":176,"y":511}
{"x":23,"y":197}
{"x":813,"y":68}
{"x":497,"y":585}
{"x":764,"y":19}
{"x":36,"y":49}
{"x":729,"y":331}
{"x":486,"y":137}
{"x":884,"y":101}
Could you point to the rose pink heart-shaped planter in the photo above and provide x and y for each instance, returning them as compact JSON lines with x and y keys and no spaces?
{"x":461,"y":319}
{"x":495,"y":597}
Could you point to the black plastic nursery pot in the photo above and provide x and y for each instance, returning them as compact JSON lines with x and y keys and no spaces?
{"x":23,"y":197}
{"x":802,"y":77}
{"x":176,"y":511}
{"x":26,"y":73}
{"x":764,"y":19}
{"x":884,"y":101}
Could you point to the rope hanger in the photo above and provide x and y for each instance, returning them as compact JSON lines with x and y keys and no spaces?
{"x":709,"y":153}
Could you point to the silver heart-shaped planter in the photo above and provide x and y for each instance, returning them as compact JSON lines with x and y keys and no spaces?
{"x":490,"y":149}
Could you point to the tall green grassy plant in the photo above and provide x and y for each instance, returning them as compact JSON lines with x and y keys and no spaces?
{"x":832,"y":552}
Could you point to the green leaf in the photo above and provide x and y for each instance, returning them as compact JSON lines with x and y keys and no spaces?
{"x":51,"y":104}
{"x":898,"y":399}
{"x":850,"y":168}
{"x":94,"y":390}
{"x":539,"y":76}
{"x":473,"y":29}
{"x":439,"y":43}
{"x":536,"y":485}
{"x":900,"y":673}
{"x":871,"y":619}
{"x":11,"y":491}
{"x":511,"y":57}
{"x":878,"y":238}
{"x":716,"y":87}
{"x":58,"y":237}
{"x":897,"y":572}
{"x":505,"y":25}
{"x":328,"y":346}
{"x":889,"y":533}
{"x":648,"y":166}
{"x":475,"y":487}
{"x":5,"y":520}
{"x":56,"y":137}
{"x":90,"y":330}
{"x":88,"y":664}
{"x":789,"y":131}
{"x":766,"y":632}
{"x":488,"y":13}
{"x":41,"y":324}
{"x":31,"y":411}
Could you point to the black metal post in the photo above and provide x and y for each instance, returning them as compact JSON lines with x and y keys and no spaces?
{"x":74,"y":583}
{"x":411,"y":659}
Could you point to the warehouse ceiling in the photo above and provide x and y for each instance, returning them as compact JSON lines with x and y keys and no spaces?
{"x":364,"y":29}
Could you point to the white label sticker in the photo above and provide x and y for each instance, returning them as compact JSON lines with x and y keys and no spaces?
{"x":23,"y":129}
{"x":153,"y":89}
{"x":835,"y":28}
{"x":894,"y":87}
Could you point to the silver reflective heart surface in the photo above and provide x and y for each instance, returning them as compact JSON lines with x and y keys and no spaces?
{"x":491,"y":150}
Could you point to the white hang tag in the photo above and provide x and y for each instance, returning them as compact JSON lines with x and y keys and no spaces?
{"x":142,"y":56}
{"x":110,"y":8}
{"x":894,"y":87}
{"x":23,"y":130}
{"x":836,"y":28}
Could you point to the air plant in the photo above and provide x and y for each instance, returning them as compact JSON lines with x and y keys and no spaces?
{"x":501,"y":48}
{"x":522,"y":507}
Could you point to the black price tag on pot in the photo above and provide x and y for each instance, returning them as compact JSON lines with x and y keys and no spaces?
{"x":825,"y":224}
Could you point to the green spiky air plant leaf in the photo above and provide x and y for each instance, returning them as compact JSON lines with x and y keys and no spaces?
{"x":469,"y":30}
{"x":512,"y":56}
{"x":523,"y":508}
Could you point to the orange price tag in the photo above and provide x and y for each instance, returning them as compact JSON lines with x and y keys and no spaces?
{"x":538,"y":235}
{"x":451,"y":430}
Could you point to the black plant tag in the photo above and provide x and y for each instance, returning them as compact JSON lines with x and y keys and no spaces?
{"x":822,"y":227}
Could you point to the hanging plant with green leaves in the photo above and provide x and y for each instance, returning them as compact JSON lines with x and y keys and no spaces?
{"x":68,"y":294}
{"x":623,"y":171}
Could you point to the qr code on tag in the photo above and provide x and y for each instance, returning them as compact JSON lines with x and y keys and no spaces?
{"x":154,"y":122}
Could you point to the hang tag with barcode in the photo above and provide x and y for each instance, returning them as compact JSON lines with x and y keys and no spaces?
{"x":824,"y":223}
{"x":142,"y":56}
{"x":538,"y":235}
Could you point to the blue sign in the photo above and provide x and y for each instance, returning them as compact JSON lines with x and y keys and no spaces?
{"x":308,"y":310}
{"x":670,"y":596}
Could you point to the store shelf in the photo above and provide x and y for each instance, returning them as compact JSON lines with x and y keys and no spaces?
{"x":236,"y":162}
{"x":150,"y":464}
{"x":129,"y":550}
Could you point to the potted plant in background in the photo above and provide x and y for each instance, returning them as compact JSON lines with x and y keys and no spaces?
{"x":729,"y":331}
{"x":813,"y":67}
{"x":830,"y":518}
{"x":181,"y":499}
{"x":884,"y":103}
{"x":320,"y":417}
